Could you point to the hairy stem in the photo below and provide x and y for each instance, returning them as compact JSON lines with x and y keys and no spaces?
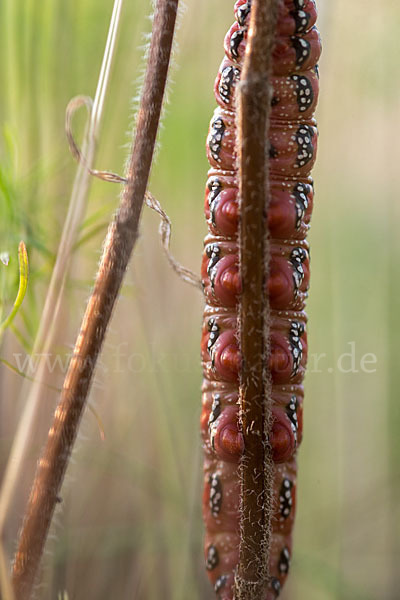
{"x":118,"y":246}
{"x":46,"y":334}
{"x":256,"y":467}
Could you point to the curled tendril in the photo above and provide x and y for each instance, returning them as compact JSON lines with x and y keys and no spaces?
{"x":73,"y":106}
{"x":23,"y":284}
{"x":165,"y":227}
{"x":165,"y":235}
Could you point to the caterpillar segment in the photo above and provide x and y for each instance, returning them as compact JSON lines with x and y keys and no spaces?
{"x":292,"y":139}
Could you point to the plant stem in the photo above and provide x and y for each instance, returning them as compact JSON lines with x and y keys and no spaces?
{"x":121,"y":237}
{"x":256,"y":469}
{"x":50,"y":316}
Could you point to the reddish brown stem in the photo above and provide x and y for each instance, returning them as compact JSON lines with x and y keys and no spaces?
{"x":118,"y":246}
{"x":256,"y":467}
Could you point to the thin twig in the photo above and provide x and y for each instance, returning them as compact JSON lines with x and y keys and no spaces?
{"x":256,"y":468}
{"x":121,"y":237}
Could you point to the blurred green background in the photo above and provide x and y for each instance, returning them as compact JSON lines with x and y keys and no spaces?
{"x":130,"y":522}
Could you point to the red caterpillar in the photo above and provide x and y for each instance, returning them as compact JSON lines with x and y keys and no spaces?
{"x":293,"y":144}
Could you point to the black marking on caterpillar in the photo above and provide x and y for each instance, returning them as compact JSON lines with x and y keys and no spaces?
{"x":276,"y":586}
{"x":291,"y":411}
{"x":302,"y":48}
{"x":284,"y":561}
{"x":285,"y":498}
{"x":215,"y":409}
{"x":242,"y":13}
{"x":215,"y":188}
{"x":301,"y":19}
{"x":297,"y":256}
{"x":301,"y":200}
{"x":273,"y":152}
{"x":235,"y":41}
{"x":220,"y":583}
{"x":296,"y":331}
{"x":213,"y":252}
{"x":214,"y":333}
{"x":216,"y":135}
{"x":274,"y":101}
{"x":304,"y":92}
{"x":229,"y":76}
{"x":316,"y":69}
{"x":305,"y":152}
{"x":215,"y":494}
{"x":212,"y":559}
{"x":213,"y":433}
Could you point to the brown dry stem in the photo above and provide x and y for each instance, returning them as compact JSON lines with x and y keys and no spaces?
{"x":256,"y":470}
{"x":121,"y":237}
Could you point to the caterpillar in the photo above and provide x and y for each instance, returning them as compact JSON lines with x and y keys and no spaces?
{"x":292,"y":151}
